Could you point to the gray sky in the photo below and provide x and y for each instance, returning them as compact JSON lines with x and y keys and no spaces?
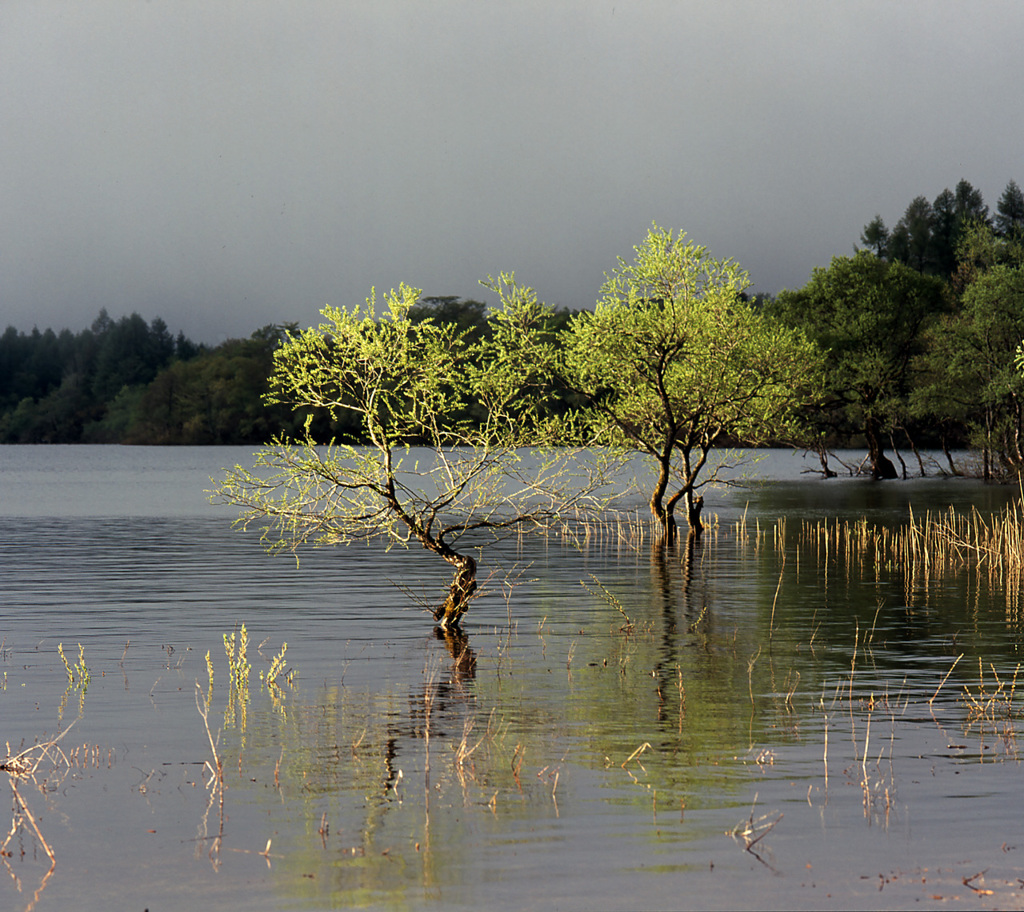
{"x":235,"y":163}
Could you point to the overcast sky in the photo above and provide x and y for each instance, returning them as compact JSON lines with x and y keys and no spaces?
{"x":227,"y":164}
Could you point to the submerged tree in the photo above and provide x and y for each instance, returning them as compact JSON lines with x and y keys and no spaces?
{"x":870,"y":317}
{"x":972,"y":368}
{"x":408,"y":382}
{"x":673,"y":361}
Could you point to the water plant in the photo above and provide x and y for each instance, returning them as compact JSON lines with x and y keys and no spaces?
{"x":629,"y":624}
{"x":78,"y":679}
{"x":24,"y":766}
{"x":993,"y":708}
{"x":209,"y":678}
{"x":273,"y":678}
{"x":78,"y":675}
{"x":278,"y":670}
{"x":238,"y":670}
{"x":752,"y":830}
{"x":932,"y":544}
{"x":215,"y":784}
{"x":238,"y":661}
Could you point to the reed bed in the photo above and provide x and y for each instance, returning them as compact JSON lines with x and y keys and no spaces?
{"x":637,"y":529}
{"x":936,"y":541}
{"x":925,"y":549}
{"x":932,"y":547}
{"x":630,"y":529}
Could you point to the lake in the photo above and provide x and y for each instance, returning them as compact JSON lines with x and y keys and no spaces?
{"x":777,"y":718}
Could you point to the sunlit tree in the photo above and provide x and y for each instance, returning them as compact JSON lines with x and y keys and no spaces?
{"x":407,"y":382}
{"x":673,"y":361}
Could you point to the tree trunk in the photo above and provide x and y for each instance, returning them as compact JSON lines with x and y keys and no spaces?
{"x":464,"y":659}
{"x":664,"y":515}
{"x":881,"y":466}
{"x":903,"y":465}
{"x":694,"y":505}
{"x":917,"y":453}
{"x":822,"y":451}
{"x":666,"y":519}
{"x":459,"y":593}
{"x":949,"y":457}
{"x":986,"y":453}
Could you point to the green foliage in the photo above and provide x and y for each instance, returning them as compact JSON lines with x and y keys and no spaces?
{"x":674,"y":361}
{"x":876,"y":237}
{"x":126,"y":382}
{"x":911,"y":239}
{"x":871,"y":318}
{"x":980,"y":248}
{"x":238,"y":658}
{"x":926,"y":238}
{"x":408,"y":382}
{"x":974,"y":372}
{"x":969,"y":381}
{"x":468,"y":316}
{"x":130,"y":353}
{"x":78,"y":675}
{"x":67,"y":388}
{"x":216,"y":398}
{"x":399,"y":378}
{"x":1009,"y":221}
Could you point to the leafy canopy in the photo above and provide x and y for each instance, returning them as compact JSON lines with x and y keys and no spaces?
{"x":870,"y":317}
{"x":673,"y":359}
{"x":473,"y":403}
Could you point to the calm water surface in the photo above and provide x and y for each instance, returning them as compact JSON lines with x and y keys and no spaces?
{"x":759,"y":722}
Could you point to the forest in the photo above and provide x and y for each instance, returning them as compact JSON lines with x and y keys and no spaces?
{"x":919,"y":332}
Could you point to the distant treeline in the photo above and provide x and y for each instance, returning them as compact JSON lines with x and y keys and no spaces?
{"x":128,"y":381}
{"x":921,"y":330}
{"x":131,"y":382}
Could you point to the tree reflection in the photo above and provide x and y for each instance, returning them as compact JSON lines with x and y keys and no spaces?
{"x":424,"y":778}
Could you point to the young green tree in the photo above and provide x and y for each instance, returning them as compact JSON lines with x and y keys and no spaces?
{"x":673,"y":361}
{"x":870,"y":317}
{"x":407,"y":382}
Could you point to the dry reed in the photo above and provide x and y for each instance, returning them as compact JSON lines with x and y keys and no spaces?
{"x":928,"y":548}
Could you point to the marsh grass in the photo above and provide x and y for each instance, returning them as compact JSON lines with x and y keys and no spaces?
{"x":78,"y":675}
{"x":215,"y":786}
{"x":932,"y":547}
{"x":991,"y":708}
{"x":239,"y":669}
{"x":628,"y":529}
{"x":602,"y":593}
{"x":78,"y":680}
